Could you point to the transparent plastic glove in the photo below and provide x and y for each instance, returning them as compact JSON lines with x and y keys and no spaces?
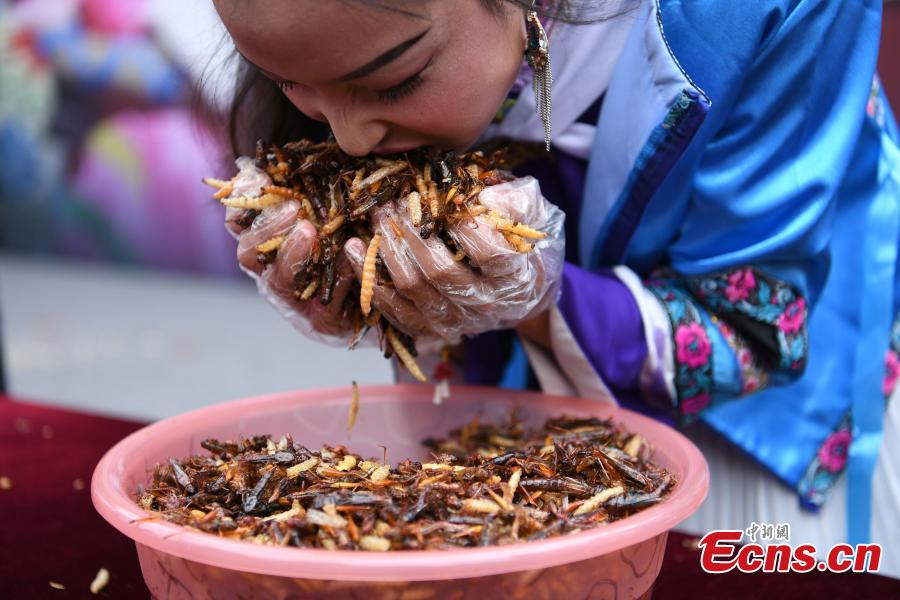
{"x":330,"y":323}
{"x":249,"y":182}
{"x":434,"y":295}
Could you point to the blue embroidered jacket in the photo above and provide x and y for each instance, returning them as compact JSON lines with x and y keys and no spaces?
{"x":746,"y":168}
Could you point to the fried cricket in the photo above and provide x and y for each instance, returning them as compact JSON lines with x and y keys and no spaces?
{"x":485,"y":484}
{"x":337,"y":193}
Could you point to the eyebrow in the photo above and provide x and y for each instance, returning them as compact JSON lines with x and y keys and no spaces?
{"x":384,"y":59}
{"x":271,"y":76}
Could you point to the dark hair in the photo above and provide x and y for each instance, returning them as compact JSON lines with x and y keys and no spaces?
{"x":259,"y":110}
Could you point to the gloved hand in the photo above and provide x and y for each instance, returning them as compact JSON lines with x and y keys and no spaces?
{"x":434,"y":295}
{"x":276,"y":281}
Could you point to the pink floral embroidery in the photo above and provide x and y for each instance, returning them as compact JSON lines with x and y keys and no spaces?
{"x":892,"y":368}
{"x":872,"y":106}
{"x":824,"y":469}
{"x":740,"y":284}
{"x":753,"y":378}
{"x":694,"y":404}
{"x":751,"y":384}
{"x":793,"y":317}
{"x":693,"y":345}
{"x":875,"y":105}
{"x":833,"y":453}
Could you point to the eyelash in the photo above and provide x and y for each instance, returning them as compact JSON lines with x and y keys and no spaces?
{"x":402,"y":89}
{"x":389,"y":96}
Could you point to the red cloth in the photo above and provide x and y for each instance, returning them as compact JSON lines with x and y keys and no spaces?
{"x":889,"y":55}
{"x":50,"y":531}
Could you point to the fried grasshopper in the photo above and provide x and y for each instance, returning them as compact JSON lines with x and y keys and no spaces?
{"x":338,"y":192}
{"x":485,"y":484}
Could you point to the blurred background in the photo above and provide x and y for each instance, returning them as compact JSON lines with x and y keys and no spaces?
{"x":119,"y":290}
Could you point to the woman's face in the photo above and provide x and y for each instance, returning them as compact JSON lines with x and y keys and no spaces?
{"x":386,"y":76}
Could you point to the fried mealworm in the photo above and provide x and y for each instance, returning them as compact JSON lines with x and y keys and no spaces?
{"x":518,"y":243}
{"x":414,"y":204}
{"x":354,"y":406}
{"x":215,"y":183}
{"x":225,"y":190}
{"x":378,"y":175}
{"x":271,"y":244}
{"x":404,"y":355}
{"x":501,"y":223}
{"x":257,"y":202}
{"x":333,"y":225}
{"x":310,"y":289}
{"x":368,"y":276}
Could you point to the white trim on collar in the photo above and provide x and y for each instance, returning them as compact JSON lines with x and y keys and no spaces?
{"x":583,"y":59}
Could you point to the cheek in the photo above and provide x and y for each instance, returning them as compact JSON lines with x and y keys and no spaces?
{"x":461,"y":107}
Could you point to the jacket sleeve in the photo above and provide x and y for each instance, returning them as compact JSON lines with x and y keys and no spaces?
{"x":752,"y":254}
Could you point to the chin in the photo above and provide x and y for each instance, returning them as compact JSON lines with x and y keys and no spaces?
{"x":467,"y":146}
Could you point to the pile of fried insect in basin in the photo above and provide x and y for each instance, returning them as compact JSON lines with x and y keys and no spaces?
{"x":488,"y":484}
{"x":336,"y":193}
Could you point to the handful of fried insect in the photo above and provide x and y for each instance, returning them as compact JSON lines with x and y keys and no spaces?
{"x":486,"y":484}
{"x":337,"y":194}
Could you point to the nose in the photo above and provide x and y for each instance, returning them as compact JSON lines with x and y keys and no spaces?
{"x":356,"y":132}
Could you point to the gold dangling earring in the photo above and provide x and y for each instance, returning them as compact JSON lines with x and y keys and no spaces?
{"x":537,"y":53}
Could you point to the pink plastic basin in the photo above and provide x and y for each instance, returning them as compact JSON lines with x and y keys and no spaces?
{"x":618,"y":560}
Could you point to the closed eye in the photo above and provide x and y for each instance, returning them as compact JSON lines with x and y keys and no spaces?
{"x":404,"y":88}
